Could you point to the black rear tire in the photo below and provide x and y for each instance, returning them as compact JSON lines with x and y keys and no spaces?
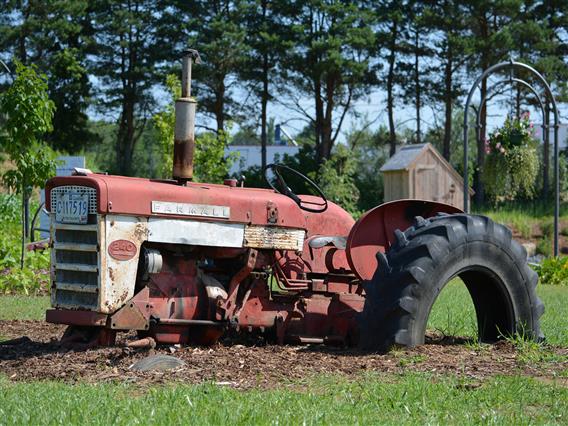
{"x":426,"y":257}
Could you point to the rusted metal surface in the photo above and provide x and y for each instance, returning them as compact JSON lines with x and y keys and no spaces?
{"x":131,"y":317}
{"x":228,"y":308}
{"x":374,"y":231}
{"x":270,"y":237}
{"x":83,"y":318}
{"x":118,"y":277}
{"x":184,"y":131}
{"x":147,"y":342}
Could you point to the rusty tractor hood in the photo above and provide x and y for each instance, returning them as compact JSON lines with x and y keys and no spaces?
{"x":135,"y":196}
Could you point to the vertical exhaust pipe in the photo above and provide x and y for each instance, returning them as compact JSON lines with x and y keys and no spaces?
{"x":184,"y":133}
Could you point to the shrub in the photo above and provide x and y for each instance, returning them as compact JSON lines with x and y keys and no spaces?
{"x":547,"y":229}
{"x":553,"y":271}
{"x":10,"y":208}
{"x":544,"y":246}
{"x":523,"y":227}
{"x":13,"y":280}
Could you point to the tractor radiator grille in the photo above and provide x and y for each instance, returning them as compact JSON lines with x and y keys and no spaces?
{"x":56,"y":192}
{"x":75,"y":257}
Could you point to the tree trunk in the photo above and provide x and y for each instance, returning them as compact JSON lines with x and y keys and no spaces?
{"x":219,"y":107}
{"x":22,"y":52}
{"x":448,"y":104}
{"x":390,"y":88}
{"x":417,"y":84}
{"x":264,"y":97}
{"x":318,"y":121}
{"x":126,"y":137}
{"x":264,"y":105}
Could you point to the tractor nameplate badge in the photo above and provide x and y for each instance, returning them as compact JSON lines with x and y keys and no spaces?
{"x":122,"y":249}
{"x":186,"y":209}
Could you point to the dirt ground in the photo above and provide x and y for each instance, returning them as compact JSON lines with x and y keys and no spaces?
{"x":244,"y":366}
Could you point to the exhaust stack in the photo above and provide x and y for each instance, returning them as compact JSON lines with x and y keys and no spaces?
{"x":184,"y":133}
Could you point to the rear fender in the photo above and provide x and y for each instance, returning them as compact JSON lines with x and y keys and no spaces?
{"x":374,"y":231}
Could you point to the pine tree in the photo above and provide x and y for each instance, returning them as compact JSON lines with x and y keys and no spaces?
{"x":129,"y":47}
{"x":328,"y":62}
{"x":51,"y":35}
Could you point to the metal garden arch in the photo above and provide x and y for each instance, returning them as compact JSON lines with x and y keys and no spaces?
{"x":549,"y":98}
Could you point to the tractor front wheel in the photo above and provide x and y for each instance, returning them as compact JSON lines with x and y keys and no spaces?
{"x":431,"y":253}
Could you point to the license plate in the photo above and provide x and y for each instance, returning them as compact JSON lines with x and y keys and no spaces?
{"x":72,"y":208}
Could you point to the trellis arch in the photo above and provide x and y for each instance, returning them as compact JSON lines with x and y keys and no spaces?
{"x":549,"y":97}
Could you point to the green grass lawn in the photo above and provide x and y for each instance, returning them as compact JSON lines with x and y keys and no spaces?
{"x":23,"y":307}
{"x":402,"y":399}
{"x":453,"y":313}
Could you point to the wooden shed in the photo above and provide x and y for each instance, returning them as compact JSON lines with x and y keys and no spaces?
{"x":419,"y":171}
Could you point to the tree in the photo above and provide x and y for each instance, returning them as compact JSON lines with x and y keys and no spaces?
{"x":216,"y":29}
{"x":450,"y":45}
{"x":29,"y":113}
{"x":52,"y":36}
{"x":538,"y":40}
{"x":390,"y":15}
{"x":210,"y":163}
{"x":336,"y":178}
{"x":412,"y":68}
{"x":329,"y":63}
{"x":265,"y":46}
{"x":370,"y":151}
{"x":490,"y":26}
{"x":131,"y":43}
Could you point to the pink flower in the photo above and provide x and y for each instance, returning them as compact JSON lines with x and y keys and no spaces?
{"x":502,"y":150}
{"x":498,"y":145}
{"x":487,"y":150}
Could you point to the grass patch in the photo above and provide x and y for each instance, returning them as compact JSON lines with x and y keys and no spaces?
{"x":554,"y":322}
{"x":406,"y":399}
{"x":453,"y":313}
{"x":23,"y":307}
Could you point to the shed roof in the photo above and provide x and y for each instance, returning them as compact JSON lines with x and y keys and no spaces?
{"x":403,"y":158}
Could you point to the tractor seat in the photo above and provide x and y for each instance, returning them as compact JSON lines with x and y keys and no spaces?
{"x":322,"y":241}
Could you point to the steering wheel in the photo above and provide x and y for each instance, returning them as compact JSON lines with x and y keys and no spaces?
{"x":283,"y":188}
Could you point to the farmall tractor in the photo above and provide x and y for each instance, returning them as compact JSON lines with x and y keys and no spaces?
{"x":183,"y":262}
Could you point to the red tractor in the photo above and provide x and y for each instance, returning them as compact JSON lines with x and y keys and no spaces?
{"x":182,"y":262}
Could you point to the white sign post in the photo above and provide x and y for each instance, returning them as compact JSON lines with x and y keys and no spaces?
{"x":65,"y":167}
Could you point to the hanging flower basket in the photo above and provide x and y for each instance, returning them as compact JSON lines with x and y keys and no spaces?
{"x":511,"y":165}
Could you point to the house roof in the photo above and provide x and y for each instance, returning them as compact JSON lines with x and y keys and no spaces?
{"x":403,"y":158}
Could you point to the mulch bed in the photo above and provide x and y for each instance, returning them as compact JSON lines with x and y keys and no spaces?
{"x":40,"y":357}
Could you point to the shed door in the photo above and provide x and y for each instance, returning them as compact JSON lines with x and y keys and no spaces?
{"x":426,"y":183}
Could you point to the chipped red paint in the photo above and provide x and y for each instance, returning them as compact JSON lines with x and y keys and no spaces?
{"x":374,"y":231}
{"x":320,"y":289}
{"x":122,"y":249}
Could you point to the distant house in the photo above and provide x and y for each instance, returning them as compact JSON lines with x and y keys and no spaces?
{"x":420,"y":172}
{"x":250,"y":155}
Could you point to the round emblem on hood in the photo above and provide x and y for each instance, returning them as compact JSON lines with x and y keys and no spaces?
{"x":122,"y":249}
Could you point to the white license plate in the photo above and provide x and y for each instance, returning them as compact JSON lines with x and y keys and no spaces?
{"x":72,"y":208}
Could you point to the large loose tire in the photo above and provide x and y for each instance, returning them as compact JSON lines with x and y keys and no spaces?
{"x":426,"y":257}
